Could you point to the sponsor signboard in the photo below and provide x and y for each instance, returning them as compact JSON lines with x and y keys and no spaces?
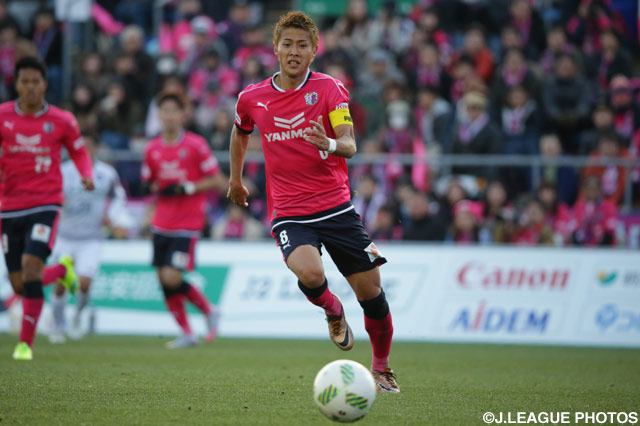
{"x":436,"y":293}
{"x":609,"y":320}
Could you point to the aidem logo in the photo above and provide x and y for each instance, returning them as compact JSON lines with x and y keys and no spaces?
{"x":290,"y":125}
{"x":495,"y":319}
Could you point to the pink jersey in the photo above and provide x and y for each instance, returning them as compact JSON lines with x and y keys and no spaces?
{"x":188,"y":160}
{"x":30,"y":162}
{"x":301,"y":180}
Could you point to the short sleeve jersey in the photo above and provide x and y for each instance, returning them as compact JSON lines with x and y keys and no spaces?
{"x":301,"y":180}
{"x":30,"y":163}
{"x":187,"y":160}
{"x":82,"y":215}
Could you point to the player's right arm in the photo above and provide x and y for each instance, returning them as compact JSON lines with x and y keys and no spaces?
{"x":147,"y":172}
{"x":117,"y":207}
{"x":243,"y":126}
{"x":237,"y":192}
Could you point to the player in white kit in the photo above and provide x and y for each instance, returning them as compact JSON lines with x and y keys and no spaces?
{"x":83,"y":218}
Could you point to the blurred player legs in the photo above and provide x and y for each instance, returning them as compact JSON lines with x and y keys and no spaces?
{"x":83,"y":219}
{"x":172,"y":255}
{"x":86,"y":255}
{"x":178,"y":169}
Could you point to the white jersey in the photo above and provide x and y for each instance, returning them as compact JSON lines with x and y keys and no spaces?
{"x":83,"y":212}
{"x":85,"y":254}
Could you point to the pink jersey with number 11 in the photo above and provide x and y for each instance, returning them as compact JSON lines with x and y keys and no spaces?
{"x":301,"y":180}
{"x":30,"y":163}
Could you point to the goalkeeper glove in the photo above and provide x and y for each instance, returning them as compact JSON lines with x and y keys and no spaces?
{"x":175,"y":189}
{"x":145,"y":188}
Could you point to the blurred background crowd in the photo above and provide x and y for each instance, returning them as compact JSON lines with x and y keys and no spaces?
{"x":441,"y":91}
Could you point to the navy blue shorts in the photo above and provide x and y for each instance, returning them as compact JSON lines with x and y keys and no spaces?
{"x":31,"y":233}
{"x":174,"y":251}
{"x":339,"y":230}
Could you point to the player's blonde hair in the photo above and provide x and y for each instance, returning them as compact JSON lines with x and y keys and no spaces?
{"x":296,"y":20}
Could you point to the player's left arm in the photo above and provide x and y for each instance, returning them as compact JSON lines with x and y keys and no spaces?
{"x":213,"y":177}
{"x":117,"y":214}
{"x":117,"y":195}
{"x":74,"y":143}
{"x":217,"y":181}
{"x":344,"y":145}
{"x":207,"y":183}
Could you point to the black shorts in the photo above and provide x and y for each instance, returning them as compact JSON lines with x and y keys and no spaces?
{"x":175,"y":251}
{"x":30,"y":233}
{"x":339,"y":230}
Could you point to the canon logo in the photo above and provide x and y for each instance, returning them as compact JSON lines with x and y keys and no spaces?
{"x":475,"y":275}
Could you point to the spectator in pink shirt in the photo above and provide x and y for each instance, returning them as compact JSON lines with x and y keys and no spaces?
{"x":179,"y":39}
{"x":594,"y":217}
{"x":254,"y":46}
{"x":213,"y":71}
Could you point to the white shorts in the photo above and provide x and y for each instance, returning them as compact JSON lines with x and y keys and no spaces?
{"x":85,"y":254}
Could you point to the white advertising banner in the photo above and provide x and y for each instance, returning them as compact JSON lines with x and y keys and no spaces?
{"x":438,"y":293}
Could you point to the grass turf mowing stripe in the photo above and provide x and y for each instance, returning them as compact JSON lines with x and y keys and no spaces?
{"x":136,"y":381}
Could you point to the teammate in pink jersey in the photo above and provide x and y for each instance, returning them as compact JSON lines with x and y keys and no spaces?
{"x":179,"y":167}
{"x":307,"y":133}
{"x":31,"y":136}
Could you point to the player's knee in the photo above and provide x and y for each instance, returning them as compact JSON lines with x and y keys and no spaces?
{"x":170,"y":291}
{"x":33,"y":290}
{"x":170,"y":277}
{"x":32,"y":268}
{"x":313,"y":292}
{"x":376,"y":308}
{"x":59,"y":289}
{"x":312,"y":277}
{"x":85,"y":283}
{"x":15,"y":278}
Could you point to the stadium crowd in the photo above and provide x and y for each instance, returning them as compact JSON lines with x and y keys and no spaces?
{"x":554,"y":78}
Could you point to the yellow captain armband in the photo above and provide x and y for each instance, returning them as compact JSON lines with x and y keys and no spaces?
{"x":340,"y":116}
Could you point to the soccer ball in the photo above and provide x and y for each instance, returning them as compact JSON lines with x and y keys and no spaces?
{"x":344,"y":390}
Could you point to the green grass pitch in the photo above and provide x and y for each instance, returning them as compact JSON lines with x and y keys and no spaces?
{"x":135,"y":381}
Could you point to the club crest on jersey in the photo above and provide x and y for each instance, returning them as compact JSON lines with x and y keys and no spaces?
{"x":47,"y":127}
{"x":182,"y":153}
{"x":311,"y":98}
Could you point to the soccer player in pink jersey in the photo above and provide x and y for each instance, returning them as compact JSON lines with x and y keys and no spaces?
{"x":32,"y":134}
{"x":307,"y":133}
{"x":179,"y":167}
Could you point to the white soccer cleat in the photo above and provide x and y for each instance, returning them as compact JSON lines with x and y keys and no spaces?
{"x":57,"y":337}
{"x":183,"y":342}
{"x":76,"y":332}
{"x":212,"y":325}
{"x":15,"y":318}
